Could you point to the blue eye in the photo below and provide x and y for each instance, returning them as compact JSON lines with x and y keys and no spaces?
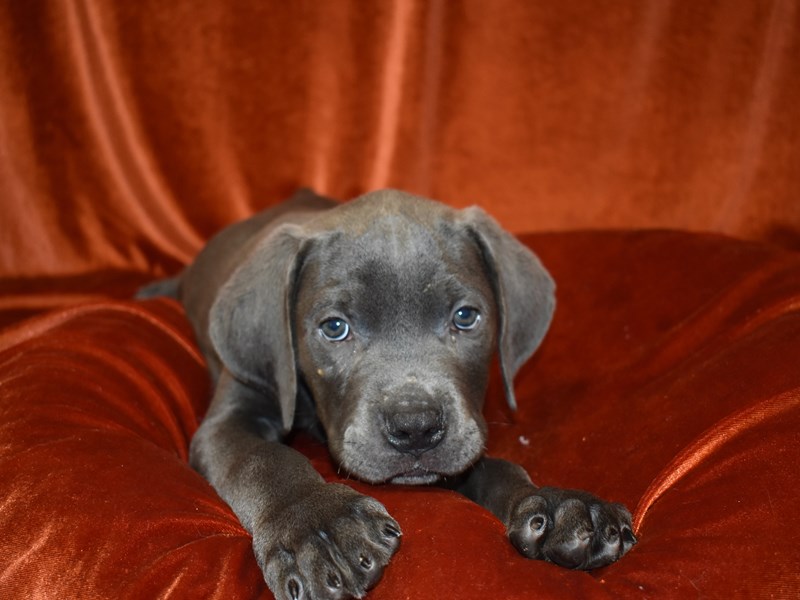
{"x":466,"y":318}
{"x":335,"y":330}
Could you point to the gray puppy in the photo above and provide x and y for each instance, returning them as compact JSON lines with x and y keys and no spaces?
{"x":372,"y":325}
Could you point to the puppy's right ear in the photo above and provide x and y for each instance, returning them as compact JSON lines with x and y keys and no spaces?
{"x":524,"y":290}
{"x":251,"y":319}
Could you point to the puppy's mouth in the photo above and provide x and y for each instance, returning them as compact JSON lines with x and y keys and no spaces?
{"x":365,"y":453}
{"x":418,"y":475}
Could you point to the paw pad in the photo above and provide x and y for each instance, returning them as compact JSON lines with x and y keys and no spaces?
{"x":571,"y":528}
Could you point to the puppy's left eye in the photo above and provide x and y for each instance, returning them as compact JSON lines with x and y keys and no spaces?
{"x":466,"y":318}
{"x":335,"y":330}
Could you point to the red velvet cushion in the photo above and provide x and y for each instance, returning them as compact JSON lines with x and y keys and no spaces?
{"x":670,"y":381}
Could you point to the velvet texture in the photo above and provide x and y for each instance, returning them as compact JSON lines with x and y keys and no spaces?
{"x":669,"y":382}
{"x":132,"y":131}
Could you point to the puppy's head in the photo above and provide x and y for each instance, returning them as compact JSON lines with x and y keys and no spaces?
{"x":393,"y":306}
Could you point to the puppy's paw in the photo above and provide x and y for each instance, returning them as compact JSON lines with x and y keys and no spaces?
{"x":332,"y":544}
{"x":570,"y":528}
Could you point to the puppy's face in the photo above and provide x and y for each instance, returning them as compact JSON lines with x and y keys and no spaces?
{"x":394,"y":327}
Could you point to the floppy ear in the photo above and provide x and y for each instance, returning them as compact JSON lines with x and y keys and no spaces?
{"x":251,"y":319}
{"x":524,"y":292}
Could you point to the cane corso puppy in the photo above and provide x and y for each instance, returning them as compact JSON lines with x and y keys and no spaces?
{"x":372,"y":324}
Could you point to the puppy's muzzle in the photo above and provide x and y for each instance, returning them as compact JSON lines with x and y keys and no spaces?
{"x":414,"y":426}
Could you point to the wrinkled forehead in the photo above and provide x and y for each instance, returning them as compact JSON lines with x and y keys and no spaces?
{"x":395,"y":259}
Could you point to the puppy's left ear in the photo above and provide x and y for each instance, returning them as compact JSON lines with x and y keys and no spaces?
{"x":524,"y":292}
{"x":251,"y":320}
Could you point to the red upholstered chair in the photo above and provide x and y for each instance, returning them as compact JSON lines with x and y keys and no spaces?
{"x":670,"y":380}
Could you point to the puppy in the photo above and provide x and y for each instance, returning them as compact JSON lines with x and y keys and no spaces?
{"x":371,"y":324}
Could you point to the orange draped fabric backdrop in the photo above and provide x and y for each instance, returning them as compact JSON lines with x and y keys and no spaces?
{"x":131,"y":131}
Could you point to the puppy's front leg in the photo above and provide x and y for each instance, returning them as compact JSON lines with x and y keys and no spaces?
{"x":312,"y":539}
{"x":568,"y":527}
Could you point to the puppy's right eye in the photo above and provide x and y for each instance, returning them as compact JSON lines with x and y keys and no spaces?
{"x":335,"y":330}
{"x":466,"y":318}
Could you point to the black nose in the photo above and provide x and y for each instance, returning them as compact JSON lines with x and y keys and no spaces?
{"x":414,"y":430}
